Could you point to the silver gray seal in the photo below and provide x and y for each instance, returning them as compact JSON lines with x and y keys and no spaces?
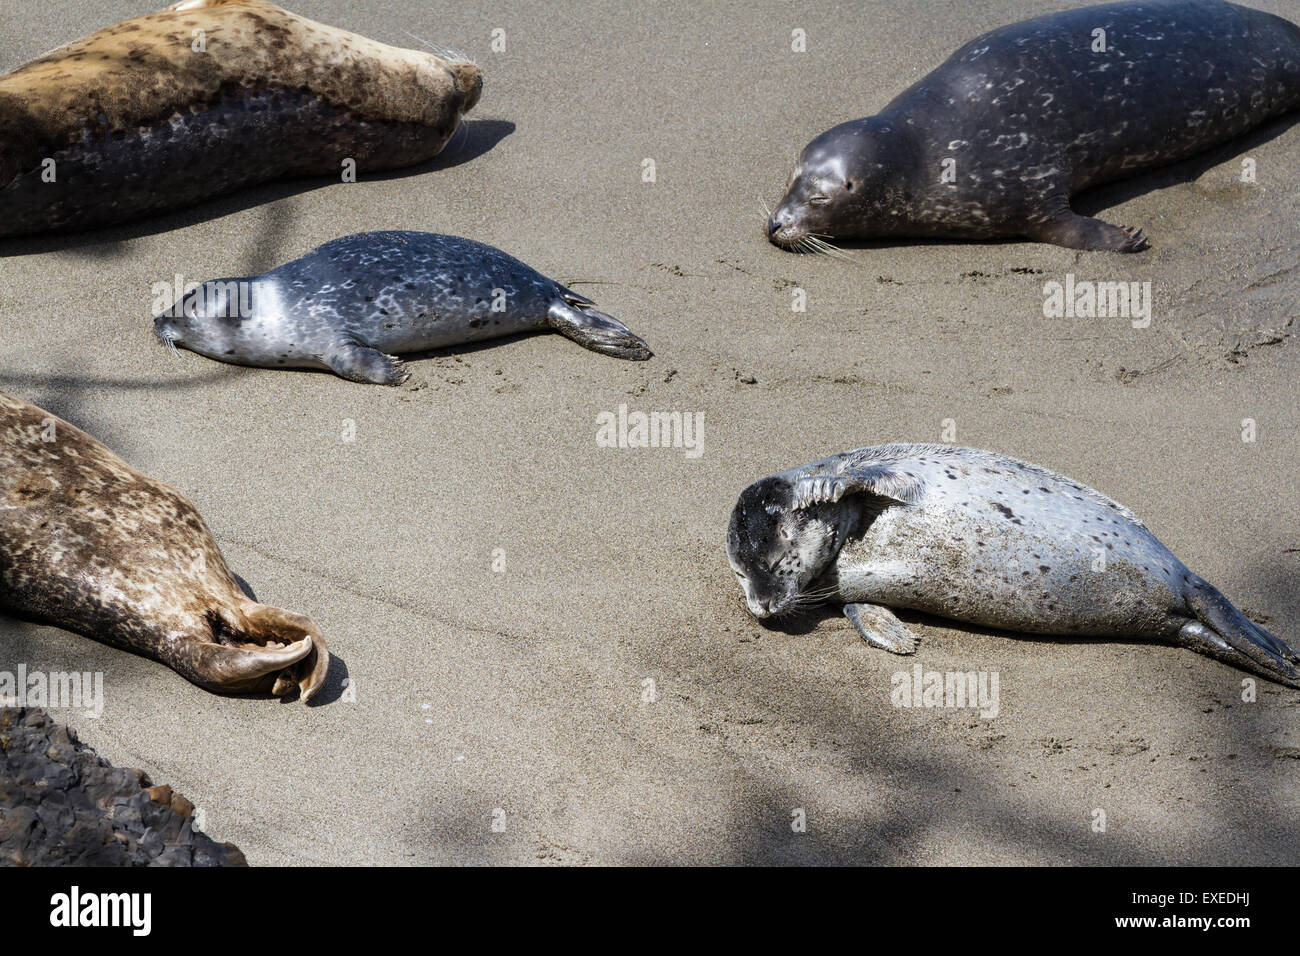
{"x":346,"y":305}
{"x":981,"y":538}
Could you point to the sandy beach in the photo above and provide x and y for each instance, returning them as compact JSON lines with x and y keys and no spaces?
{"x":539,"y":630}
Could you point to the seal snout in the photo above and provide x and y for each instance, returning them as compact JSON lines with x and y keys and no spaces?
{"x":166,"y":332}
{"x":468,"y":80}
{"x":783,"y":228}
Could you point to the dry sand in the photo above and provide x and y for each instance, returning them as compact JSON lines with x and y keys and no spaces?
{"x":523,"y":689}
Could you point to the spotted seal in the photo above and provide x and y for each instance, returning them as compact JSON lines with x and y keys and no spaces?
{"x":996,"y":141}
{"x":205,"y":97}
{"x":981,"y":538}
{"x":90,"y":544}
{"x":345,"y":304}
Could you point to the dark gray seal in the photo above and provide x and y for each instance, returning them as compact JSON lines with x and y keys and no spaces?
{"x":90,"y":544}
{"x":982,"y":538}
{"x":345,"y":304}
{"x":996,"y":141}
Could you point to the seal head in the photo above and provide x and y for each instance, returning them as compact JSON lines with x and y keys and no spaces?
{"x":847,"y":180}
{"x":778,"y":551}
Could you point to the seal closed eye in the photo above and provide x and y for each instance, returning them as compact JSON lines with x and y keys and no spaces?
{"x":346,"y":305}
{"x":996,"y":141}
{"x":981,"y":538}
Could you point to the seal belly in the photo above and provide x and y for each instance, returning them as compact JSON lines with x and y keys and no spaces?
{"x":243,"y":139}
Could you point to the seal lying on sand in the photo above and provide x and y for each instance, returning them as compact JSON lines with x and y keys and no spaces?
{"x":982,"y":538}
{"x":205,"y":97}
{"x":345,"y":304}
{"x":996,"y":141}
{"x":89,"y":544}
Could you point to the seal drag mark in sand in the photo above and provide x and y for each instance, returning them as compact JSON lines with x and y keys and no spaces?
{"x":90,"y":544}
{"x":346,"y":304}
{"x":996,"y":141}
{"x":981,"y":538}
{"x":136,"y":120}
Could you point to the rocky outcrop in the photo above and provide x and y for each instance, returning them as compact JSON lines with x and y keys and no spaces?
{"x":63,"y":805}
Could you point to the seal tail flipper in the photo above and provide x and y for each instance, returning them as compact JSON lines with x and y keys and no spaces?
{"x":597,"y":331}
{"x":274,"y":624}
{"x":1223,"y":632}
{"x":269,"y":649}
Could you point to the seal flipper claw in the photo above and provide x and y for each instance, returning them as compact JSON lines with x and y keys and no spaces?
{"x":597,"y":331}
{"x":878,"y":625}
{"x":360,"y":363}
{"x":1221,"y":631}
{"x":881,"y":479}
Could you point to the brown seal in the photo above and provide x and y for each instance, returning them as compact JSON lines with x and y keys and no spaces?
{"x":90,"y":544}
{"x":205,"y":97}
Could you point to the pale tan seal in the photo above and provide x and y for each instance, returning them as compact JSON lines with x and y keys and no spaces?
{"x":205,"y":97}
{"x":90,"y":544}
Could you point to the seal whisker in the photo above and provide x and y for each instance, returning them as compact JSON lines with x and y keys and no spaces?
{"x":446,"y":52}
{"x":826,"y":248}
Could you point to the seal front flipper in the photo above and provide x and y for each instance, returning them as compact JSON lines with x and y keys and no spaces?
{"x":360,"y":363}
{"x":1073,"y":231}
{"x":1223,"y":632}
{"x":574,"y":318}
{"x":884,"y":479}
{"x":878,"y":625}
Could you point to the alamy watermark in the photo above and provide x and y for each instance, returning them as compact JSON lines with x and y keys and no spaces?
{"x":53,"y":689}
{"x":1086,"y":299}
{"x":217,"y":298}
{"x":624,"y":429}
{"x":977,"y":690}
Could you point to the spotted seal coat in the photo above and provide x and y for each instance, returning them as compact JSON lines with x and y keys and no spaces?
{"x":996,"y":141}
{"x":89,"y":544}
{"x":982,"y":538}
{"x":348,"y":303}
{"x":206,"y":97}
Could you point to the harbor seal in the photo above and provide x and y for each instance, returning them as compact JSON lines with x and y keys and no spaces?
{"x":346,"y":304}
{"x":981,"y":538}
{"x":205,"y":97}
{"x":89,"y":544}
{"x":996,"y":141}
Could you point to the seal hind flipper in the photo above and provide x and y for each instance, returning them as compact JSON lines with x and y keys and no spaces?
{"x":597,"y":331}
{"x":878,"y":625}
{"x":1221,"y":631}
{"x":239,"y":670}
{"x":360,"y":363}
{"x":1073,"y":231}
{"x":883,"y":479}
{"x":262,"y":648}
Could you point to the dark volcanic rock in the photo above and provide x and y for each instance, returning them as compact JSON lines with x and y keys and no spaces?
{"x":62,"y":805}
